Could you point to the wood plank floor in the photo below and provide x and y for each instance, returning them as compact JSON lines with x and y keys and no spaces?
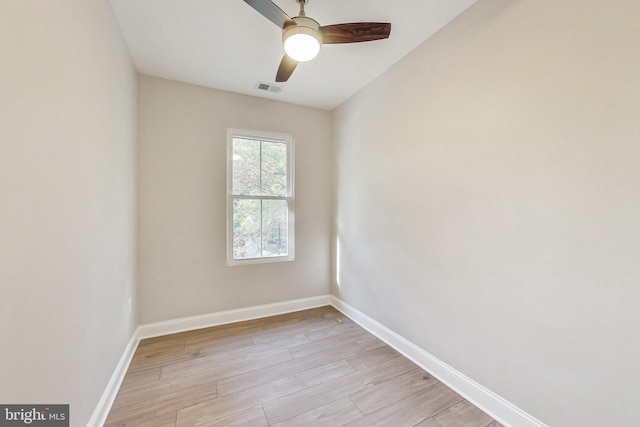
{"x":309,"y":368}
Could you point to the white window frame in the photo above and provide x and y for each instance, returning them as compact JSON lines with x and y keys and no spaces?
{"x":269,"y":137}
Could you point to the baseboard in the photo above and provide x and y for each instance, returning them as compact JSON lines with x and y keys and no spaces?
{"x":494,"y":405}
{"x":101,"y":412}
{"x":230,"y":316}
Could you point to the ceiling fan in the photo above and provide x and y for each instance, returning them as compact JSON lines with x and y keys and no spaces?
{"x":303,"y":36}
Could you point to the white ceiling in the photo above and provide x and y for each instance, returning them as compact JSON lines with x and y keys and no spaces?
{"x":226,"y":44}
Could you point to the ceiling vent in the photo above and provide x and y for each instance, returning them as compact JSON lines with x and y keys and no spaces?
{"x":268,"y":87}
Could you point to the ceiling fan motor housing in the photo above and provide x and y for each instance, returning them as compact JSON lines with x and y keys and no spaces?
{"x":304,"y":26}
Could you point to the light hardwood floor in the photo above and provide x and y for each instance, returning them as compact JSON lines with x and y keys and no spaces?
{"x":309,"y":368}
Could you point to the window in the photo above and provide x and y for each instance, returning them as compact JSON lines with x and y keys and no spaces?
{"x":260,"y":206}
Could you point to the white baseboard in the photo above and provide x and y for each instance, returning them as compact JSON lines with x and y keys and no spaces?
{"x":99,"y":415}
{"x":230,"y":316}
{"x":497,"y":407}
{"x":494,"y":405}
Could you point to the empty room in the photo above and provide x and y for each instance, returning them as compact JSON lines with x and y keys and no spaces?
{"x":320,"y":213}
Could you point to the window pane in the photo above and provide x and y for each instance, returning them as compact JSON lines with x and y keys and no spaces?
{"x":274,"y":227}
{"x":246,"y":166}
{"x":246,"y":229}
{"x":260,"y":197}
{"x":274,"y":168}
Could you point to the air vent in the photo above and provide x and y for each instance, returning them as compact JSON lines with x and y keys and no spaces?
{"x":267,"y":87}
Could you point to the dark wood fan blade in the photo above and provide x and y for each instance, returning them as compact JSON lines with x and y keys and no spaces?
{"x":272,"y":12}
{"x":355,"y":32}
{"x":286,"y":68}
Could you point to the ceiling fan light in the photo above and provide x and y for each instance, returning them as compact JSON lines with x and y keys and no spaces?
{"x":302,"y":41}
{"x":302,"y":47}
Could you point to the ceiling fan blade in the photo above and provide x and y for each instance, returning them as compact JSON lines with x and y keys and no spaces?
{"x":286,"y":68}
{"x":355,"y":32}
{"x":271,"y":11}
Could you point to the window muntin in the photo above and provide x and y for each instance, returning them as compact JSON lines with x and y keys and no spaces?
{"x":259,"y":197}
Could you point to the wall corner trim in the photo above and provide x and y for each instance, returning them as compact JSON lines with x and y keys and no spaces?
{"x":99,"y":415}
{"x":500,"y":409}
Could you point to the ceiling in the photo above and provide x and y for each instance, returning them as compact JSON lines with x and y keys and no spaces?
{"x":227,"y":45}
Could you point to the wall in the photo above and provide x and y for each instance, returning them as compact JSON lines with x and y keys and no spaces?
{"x":488,"y":207}
{"x":182,"y":202}
{"x":67,"y":146}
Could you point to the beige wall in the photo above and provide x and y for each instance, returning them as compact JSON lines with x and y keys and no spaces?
{"x":182,"y":201}
{"x":488,"y":204}
{"x":67,"y":146}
